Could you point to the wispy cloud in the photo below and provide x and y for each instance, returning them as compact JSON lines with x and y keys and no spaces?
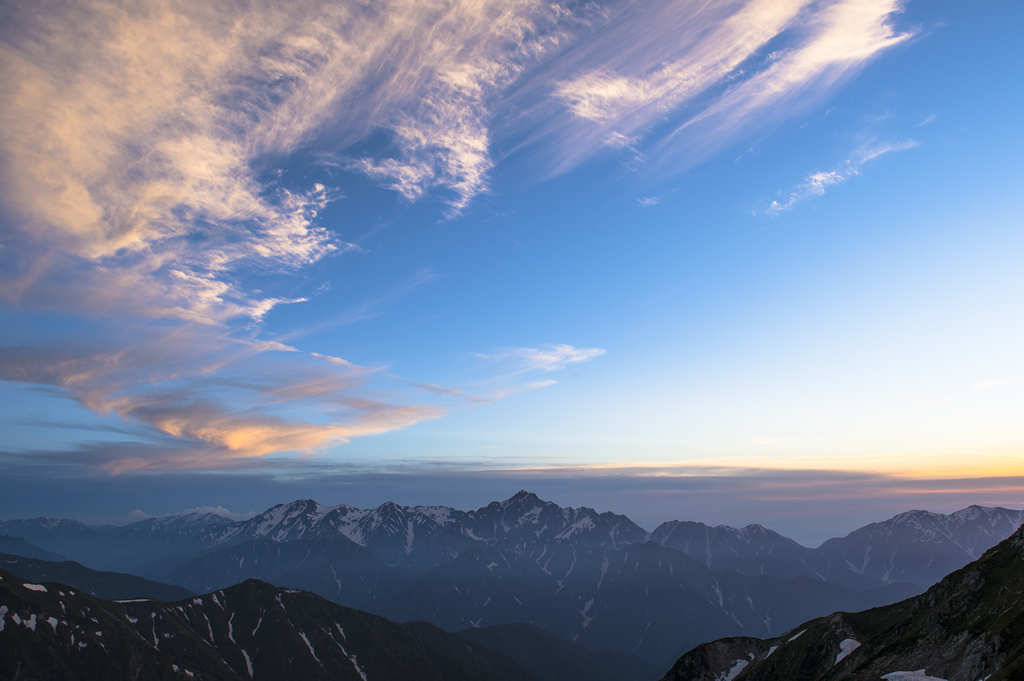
{"x":818,"y":182}
{"x":195,"y":399}
{"x":734,"y":68}
{"x":656,"y":75}
{"x":543,"y":359}
{"x":227,"y":402}
{"x":129,"y":163}
{"x":129,"y":137}
{"x":509,"y":371}
{"x":139,"y":144}
{"x":986,"y":384}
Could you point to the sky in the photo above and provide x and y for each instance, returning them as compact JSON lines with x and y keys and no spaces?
{"x":725,"y":261}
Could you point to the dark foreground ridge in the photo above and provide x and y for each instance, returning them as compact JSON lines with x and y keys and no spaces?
{"x":253,"y":630}
{"x":969,"y":626}
{"x":112,"y":585}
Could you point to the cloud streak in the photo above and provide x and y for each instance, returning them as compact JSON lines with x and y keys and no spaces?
{"x":546,"y":359}
{"x":818,"y":182}
{"x":986,"y":384}
{"x":192,"y":399}
{"x":514,"y":362}
{"x":697,"y":76}
{"x":228,"y":402}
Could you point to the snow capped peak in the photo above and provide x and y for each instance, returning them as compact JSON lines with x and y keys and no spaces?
{"x":306,"y":504}
{"x":442,"y":515}
{"x":927,"y":520}
{"x":284,"y":522}
{"x":907,"y":517}
{"x":973,"y":513}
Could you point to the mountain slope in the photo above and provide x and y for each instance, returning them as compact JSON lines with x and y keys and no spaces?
{"x":338,"y":569}
{"x":755,"y":550}
{"x":151,"y":548}
{"x":111,"y":585}
{"x":156,"y":546}
{"x":919,"y":546}
{"x":643,"y":599}
{"x":68,"y":538}
{"x":250,"y":631}
{"x":969,"y":626}
{"x":550,"y":658}
{"x":16,"y":546}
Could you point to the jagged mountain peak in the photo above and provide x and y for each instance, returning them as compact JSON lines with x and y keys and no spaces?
{"x":522,"y":498}
{"x":912,"y":516}
{"x":390,"y":508}
{"x":281,"y":522}
{"x":309,"y":505}
{"x":972,"y":512}
{"x":442,"y":515}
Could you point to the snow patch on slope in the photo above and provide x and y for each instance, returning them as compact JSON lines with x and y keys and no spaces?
{"x":737,"y":667}
{"x":919,"y":675}
{"x":248,"y":662}
{"x":846,"y":646}
{"x":310,"y":646}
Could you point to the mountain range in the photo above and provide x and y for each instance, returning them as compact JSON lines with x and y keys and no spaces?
{"x":594,"y":578}
{"x":967,"y":627}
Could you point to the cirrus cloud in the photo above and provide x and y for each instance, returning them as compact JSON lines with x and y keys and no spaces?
{"x":143,"y":155}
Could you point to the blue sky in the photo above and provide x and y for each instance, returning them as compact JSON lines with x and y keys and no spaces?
{"x":732,"y":262}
